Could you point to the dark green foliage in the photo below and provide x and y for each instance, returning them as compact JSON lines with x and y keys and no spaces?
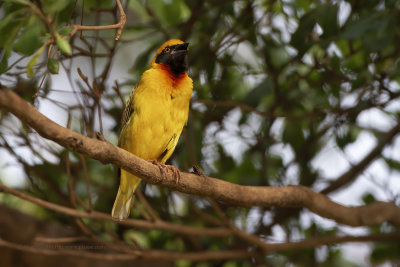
{"x":385,"y":252}
{"x":53,"y":66}
{"x":277,"y":84}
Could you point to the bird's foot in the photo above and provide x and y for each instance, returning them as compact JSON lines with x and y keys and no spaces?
{"x":175,"y":171}
{"x":160,"y":166}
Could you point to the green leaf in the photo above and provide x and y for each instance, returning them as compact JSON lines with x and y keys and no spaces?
{"x":4,"y":55}
{"x":254,"y":97}
{"x":357,"y":60}
{"x":171,"y":12}
{"x":326,"y":16}
{"x":51,"y":6}
{"x":348,"y":137}
{"x":140,"y":238}
{"x":279,"y":56}
{"x":293,"y":134}
{"x":393,"y":164}
{"x":300,"y":39}
{"x":63,"y":45}
{"x":385,"y":251}
{"x":29,"y":40}
{"x":53,"y":66}
{"x":29,"y":67}
{"x":7,"y":19}
{"x":65,"y":30}
{"x":304,"y":4}
{"x":23,"y":2}
{"x":369,"y":22}
{"x":8,"y":31}
{"x":327,"y":19}
{"x":368,"y":198}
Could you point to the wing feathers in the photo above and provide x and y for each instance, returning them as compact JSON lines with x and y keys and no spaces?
{"x":128,"y":111}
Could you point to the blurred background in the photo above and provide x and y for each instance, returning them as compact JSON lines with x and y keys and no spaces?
{"x":293,"y":92}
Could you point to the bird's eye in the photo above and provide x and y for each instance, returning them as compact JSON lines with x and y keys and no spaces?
{"x":167,"y":50}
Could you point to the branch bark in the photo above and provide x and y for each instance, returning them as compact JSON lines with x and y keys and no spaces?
{"x":287,"y":196}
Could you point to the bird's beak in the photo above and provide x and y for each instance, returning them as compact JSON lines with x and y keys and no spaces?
{"x":183,"y":46}
{"x":180,"y":50}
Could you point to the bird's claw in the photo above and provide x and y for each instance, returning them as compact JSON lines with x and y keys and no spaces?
{"x":176,"y":172}
{"x":160,"y":166}
{"x":163,"y":168}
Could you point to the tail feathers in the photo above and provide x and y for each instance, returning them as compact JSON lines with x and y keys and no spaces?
{"x":122,"y":205}
{"x":123,"y":201}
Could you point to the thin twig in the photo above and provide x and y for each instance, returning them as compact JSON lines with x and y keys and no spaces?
{"x":198,"y":256}
{"x":146,"y":204}
{"x":85,"y":171}
{"x":349,"y":176}
{"x":119,"y":26}
{"x":182,"y":229}
{"x":149,"y":254}
{"x":252,"y":239}
{"x":15,"y":63}
{"x":58,"y":240}
{"x":99,"y":114}
{"x":117,"y":90}
{"x":71,"y":191}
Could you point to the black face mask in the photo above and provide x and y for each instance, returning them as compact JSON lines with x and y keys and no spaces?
{"x":175,"y":56}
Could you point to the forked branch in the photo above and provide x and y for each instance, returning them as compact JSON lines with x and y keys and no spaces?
{"x":119,"y":26}
{"x":286,"y":196}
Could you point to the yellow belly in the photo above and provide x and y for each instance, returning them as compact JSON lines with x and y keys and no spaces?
{"x":160,"y":111}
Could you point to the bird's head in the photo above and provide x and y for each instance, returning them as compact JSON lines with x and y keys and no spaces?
{"x":173,"y":53}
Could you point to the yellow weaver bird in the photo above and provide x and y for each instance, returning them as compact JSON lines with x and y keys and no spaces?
{"x":154,"y":116}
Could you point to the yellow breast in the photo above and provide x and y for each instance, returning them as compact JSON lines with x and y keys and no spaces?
{"x":161,"y":107}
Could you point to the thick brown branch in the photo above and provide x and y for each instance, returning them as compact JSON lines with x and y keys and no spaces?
{"x":287,"y":196}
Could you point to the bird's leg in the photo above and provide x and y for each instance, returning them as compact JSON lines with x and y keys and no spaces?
{"x":175,"y":171}
{"x":160,"y":166}
{"x":163,"y":167}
